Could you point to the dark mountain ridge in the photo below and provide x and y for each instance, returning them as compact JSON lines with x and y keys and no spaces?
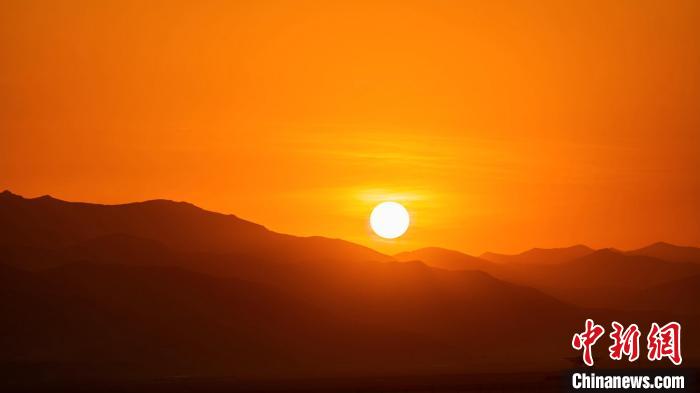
{"x":48,"y":223}
{"x":541,"y":255}
{"x":601,"y":278}
{"x":165,"y":288}
{"x":669,"y":252}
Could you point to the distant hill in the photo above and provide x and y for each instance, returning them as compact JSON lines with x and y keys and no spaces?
{"x":445,"y":259}
{"x":541,"y":255}
{"x":604,"y":278}
{"x":669,"y":252}
{"x":609,"y":268}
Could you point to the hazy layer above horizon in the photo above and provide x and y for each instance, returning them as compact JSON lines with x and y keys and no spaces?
{"x":499,"y":127}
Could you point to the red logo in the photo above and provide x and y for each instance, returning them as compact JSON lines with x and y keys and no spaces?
{"x":586,"y":339}
{"x":661,"y":342}
{"x":665,"y":342}
{"x":626,"y":342}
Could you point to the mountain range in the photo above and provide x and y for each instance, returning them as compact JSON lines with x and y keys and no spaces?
{"x":159,"y":289}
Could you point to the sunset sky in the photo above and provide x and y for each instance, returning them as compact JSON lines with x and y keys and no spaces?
{"x":500,"y":125}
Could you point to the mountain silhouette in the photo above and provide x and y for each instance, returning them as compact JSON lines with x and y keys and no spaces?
{"x":669,"y":252}
{"x":678,"y":296}
{"x":602,"y":278}
{"x":157,"y":289}
{"x":49,"y":223}
{"x":229,"y":293}
{"x":154,"y":321}
{"x":445,"y":259}
{"x":541,"y":255}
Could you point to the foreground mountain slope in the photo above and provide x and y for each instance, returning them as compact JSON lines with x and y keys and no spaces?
{"x":371,"y":318}
{"x":167,"y":321}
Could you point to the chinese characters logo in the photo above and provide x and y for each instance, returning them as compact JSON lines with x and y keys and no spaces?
{"x":662,"y":342}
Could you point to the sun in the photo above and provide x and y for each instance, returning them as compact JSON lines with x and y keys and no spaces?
{"x":389,"y":220}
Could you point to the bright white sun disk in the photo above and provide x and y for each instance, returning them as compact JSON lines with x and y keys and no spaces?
{"x":389,"y":220}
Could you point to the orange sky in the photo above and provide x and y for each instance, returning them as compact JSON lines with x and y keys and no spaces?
{"x":501,"y":125}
